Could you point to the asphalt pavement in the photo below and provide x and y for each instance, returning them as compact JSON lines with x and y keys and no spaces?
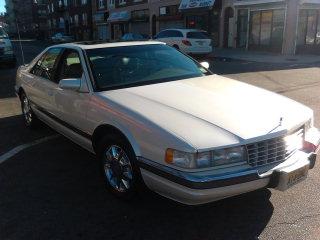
{"x":53,"y":190}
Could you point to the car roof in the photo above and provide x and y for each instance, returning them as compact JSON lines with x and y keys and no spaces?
{"x":97,"y":44}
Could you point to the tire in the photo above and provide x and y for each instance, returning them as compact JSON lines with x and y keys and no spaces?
{"x":119,"y":169}
{"x":30,"y":119}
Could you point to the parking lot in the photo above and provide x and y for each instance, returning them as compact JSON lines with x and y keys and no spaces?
{"x":51,"y":189}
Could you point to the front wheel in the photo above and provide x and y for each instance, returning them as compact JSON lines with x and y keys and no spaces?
{"x":29,"y":117}
{"x":119,"y":169}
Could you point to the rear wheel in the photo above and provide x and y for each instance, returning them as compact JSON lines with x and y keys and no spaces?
{"x":119,"y":169}
{"x":29,"y":117}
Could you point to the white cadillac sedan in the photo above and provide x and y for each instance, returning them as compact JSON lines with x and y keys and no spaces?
{"x":156,"y":117}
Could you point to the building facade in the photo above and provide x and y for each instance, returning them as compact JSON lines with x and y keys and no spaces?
{"x":70,"y":17}
{"x":283,"y":26}
{"x":30,"y":16}
{"x":100,"y":15}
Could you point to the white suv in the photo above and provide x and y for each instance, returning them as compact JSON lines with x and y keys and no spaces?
{"x":190,"y":41}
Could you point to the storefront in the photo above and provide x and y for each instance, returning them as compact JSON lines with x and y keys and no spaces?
{"x":308,"y":39}
{"x":140,"y":22}
{"x":119,"y":24}
{"x":204,"y":15}
{"x":260,"y":26}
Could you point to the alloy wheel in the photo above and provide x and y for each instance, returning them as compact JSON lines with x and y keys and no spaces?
{"x":117,"y":168}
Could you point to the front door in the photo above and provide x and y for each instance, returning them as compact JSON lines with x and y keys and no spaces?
{"x":71,"y":105}
{"x":42,"y":78}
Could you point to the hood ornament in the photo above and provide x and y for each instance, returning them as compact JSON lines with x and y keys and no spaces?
{"x":279,"y":125}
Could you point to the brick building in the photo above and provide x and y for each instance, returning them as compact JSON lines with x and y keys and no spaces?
{"x":30,"y":15}
{"x":71,"y":17}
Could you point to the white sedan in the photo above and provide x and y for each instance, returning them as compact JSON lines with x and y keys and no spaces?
{"x":156,"y":117}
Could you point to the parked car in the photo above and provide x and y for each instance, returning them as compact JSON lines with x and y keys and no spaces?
{"x":6,"y":51}
{"x":189,"y":41}
{"x":134,"y":37}
{"x":61,"y":38}
{"x":154,"y":116}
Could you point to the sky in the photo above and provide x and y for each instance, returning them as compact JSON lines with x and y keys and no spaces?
{"x":2,"y":3}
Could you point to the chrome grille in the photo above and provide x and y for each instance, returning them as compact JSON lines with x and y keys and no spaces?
{"x":272,"y":150}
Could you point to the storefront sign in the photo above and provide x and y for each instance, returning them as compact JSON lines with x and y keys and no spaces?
{"x":191,"y":4}
{"x":122,"y":16}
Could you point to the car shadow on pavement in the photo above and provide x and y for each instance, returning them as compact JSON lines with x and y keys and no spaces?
{"x":54,"y":191}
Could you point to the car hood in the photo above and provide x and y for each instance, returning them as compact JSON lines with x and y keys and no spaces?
{"x":213,"y":110}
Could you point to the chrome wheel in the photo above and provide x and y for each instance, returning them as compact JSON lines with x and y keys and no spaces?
{"x":26,"y":110}
{"x":117,"y":168}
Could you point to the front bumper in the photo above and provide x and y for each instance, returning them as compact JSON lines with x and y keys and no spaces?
{"x":199,"y":188}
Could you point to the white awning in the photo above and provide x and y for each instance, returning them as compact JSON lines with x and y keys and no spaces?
{"x":122,"y":16}
{"x":255,"y":2}
{"x":192,"y":4}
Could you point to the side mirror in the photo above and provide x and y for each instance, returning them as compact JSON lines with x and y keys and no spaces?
{"x":206,"y":65}
{"x":70,"y":84}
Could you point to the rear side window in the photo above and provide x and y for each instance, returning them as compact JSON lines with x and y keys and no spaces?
{"x":169,"y":33}
{"x":198,"y":35}
{"x":162,"y":34}
{"x":45,"y":67}
{"x":173,"y":33}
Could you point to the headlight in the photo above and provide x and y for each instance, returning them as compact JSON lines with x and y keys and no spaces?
{"x":206,"y":159}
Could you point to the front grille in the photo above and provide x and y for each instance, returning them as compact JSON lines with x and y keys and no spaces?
{"x":273,"y":150}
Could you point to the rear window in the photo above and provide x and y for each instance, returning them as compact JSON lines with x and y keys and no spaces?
{"x":198,"y":35}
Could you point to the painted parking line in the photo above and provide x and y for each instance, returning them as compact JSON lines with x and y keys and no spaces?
{"x":22,"y":147}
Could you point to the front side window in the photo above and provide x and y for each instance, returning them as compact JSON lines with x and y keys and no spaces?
{"x":70,"y":65}
{"x":45,"y":67}
{"x":128,"y":66}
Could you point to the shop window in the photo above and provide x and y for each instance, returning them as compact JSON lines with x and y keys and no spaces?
{"x":242,"y":28}
{"x":266,"y":29}
{"x":309,"y":28}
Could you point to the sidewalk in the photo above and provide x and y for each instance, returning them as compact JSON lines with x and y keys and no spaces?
{"x":262,"y":57}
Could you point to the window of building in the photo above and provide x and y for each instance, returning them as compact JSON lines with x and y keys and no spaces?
{"x":111,"y":2}
{"x":308,"y":38}
{"x":169,"y":10}
{"x":101,"y":4}
{"x":84,"y":2}
{"x":266,"y":29}
{"x":52,"y":7}
{"x":84,"y":19}
{"x":76,"y":19}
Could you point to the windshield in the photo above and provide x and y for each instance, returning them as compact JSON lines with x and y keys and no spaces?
{"x":120,"y":67}
{"x":3,"y":33}
{"x":198,"y":35}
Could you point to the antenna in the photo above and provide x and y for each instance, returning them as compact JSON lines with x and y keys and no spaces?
{"x":22,"y":53}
